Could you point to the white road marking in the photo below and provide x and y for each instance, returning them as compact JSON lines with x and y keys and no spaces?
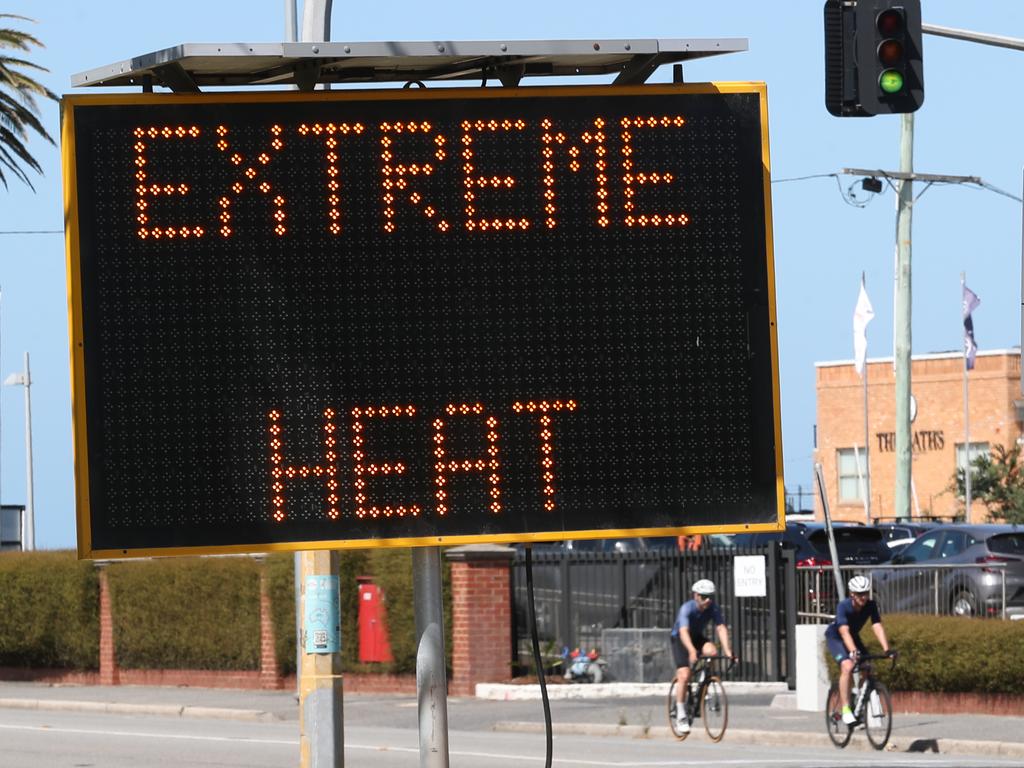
{"x":515,"y":758}
{"x":146,"y":735}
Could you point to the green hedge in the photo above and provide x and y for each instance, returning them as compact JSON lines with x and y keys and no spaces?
{"x":281,"y":587}
{"x":191,"y":612}
{"x":187,"y":613}
{"x":49,"y":611}
{"x":949,"y":654}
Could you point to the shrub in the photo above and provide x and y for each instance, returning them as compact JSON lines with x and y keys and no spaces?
{"x":49,"y":611}
{"x":187,"y":613}
{"x":281,"y":588}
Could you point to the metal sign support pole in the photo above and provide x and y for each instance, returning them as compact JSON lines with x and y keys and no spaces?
{"x":840,"y":587}
{"x":431,"y":677}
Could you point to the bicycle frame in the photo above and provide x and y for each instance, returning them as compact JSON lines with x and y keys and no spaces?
{"x":866,"y":689}
{"x":704,"y":697}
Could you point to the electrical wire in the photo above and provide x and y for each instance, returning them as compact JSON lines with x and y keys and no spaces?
{"x":538,"y":662}
{"x":998,"y":191}
{"x":804,"y":178}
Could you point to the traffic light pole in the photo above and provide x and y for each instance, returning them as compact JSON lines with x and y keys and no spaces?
{"x":901,"y":316}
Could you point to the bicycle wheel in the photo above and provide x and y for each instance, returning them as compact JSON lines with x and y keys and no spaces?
{"x":672,"y":724}
{"x":877,"y":715}
{"x":838,"y":731}
{"x":714,"y":708}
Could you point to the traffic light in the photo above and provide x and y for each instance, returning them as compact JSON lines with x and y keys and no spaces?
{"x":889,"y":71}
{"x":873,"y":62}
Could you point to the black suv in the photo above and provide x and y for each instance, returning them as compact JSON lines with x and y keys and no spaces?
{"x":855,"y":544}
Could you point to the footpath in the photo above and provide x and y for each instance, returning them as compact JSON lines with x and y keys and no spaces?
{"x":758,"y":713}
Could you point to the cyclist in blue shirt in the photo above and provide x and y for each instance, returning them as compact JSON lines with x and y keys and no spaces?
{"x":842,"y":636}
{"x":689,"y":639}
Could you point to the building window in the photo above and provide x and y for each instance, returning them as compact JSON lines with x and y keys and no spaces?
{"x":851,"y":480}
{"x":977,"y":449}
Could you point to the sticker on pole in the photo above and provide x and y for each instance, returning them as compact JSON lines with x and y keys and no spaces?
{"x":321,"y":625}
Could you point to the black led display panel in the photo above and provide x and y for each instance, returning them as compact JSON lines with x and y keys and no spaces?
{"x":420,"y":317}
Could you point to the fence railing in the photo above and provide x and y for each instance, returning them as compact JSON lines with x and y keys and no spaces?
{"x":939,"y":589}
{"x":579,"y":596}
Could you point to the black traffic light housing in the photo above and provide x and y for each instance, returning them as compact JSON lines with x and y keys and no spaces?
{"x":873,"y":57}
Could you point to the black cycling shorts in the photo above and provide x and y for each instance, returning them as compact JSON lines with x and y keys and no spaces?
{"x":679,"y":654}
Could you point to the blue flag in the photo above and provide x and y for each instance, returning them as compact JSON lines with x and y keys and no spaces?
{"x":970,"y":303}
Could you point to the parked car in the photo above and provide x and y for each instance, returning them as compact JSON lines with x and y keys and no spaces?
{"x":987,"y":551}
{"x":855,"y":544}
{"x":898,"y":535}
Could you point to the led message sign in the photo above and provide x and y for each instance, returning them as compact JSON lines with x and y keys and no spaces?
{"x":415,"y":317}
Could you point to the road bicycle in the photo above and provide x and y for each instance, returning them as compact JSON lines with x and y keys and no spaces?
{"x":705,"y":698}
{"x":872,"y":705}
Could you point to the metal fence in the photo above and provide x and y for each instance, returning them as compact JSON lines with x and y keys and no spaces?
{"x":934,"y":589}
{"x":579,"y":596}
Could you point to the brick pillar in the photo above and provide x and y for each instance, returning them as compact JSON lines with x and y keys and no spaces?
{"x":108,"y":658}
{"x":481,"y":616}
{"x":270,"y":676}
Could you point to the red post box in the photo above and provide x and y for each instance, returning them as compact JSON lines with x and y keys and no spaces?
{"x":373,"y":629}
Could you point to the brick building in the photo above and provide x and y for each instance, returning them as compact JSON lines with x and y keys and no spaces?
{"x":937,"y":431}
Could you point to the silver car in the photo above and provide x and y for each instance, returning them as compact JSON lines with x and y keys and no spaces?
{"x":964,"y":570}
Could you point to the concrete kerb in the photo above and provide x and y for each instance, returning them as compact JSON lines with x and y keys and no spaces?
{"x":506,"y":692}
{"x":164,"y":710}
{"x":787,"y":738}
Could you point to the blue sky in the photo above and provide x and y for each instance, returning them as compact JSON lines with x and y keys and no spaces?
{"x":969,"y":125}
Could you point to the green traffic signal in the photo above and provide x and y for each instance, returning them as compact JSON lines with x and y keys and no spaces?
{"x":891,"y":81}
{"x":873,"y":57}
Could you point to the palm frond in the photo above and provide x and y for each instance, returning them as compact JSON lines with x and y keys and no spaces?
{"x":19,"y":110}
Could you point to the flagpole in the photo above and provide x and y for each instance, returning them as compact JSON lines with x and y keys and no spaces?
{"x":867,"y":454}
{"x":862,"y":315}
{"x":967,"y":427}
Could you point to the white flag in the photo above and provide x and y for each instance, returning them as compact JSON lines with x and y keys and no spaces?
{"x":969,"y":303}
{"x":862,"y":315}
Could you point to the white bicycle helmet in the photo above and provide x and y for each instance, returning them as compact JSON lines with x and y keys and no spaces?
{"x":859,"y":584}
{"x":704,"y":587}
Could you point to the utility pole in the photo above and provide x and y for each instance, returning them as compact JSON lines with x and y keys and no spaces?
{"x":901,"y":317}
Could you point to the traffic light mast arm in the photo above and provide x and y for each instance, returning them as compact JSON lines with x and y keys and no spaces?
{"x":974,"y":37}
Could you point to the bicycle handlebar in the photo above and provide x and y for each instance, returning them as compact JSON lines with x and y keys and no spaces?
{"x":892,"y":655}
{"x":718,"y":657}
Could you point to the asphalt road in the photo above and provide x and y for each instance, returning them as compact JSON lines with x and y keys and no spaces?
{"x":68,"y":739}
{"x":111,"y":727}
